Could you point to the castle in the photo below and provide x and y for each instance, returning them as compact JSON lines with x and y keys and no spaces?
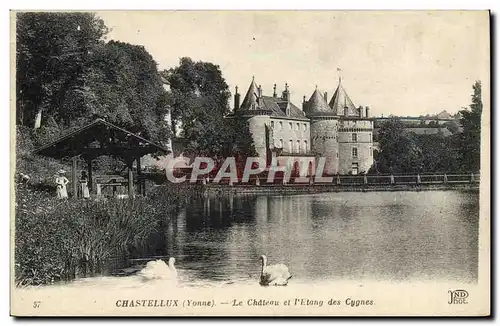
{"x":336,"y":130}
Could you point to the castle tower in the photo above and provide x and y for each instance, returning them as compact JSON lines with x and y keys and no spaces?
{"x":324,"y":124}
{"x":341,"y":103}
{"x":250,"y":102}
{"x":355,"y":134}
{"x":253,"y":109}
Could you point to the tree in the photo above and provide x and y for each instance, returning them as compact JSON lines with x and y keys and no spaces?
{"x":438,"y":153}
{"x":470,"y":140}
{"x":200,"y":97}
{"x":66,"y":71}
{"x":124,"y":86}
{"x":239,"y":138}
{"x":52,"y":50}
{"x":404,"y":152}
{"x":399,"y":152}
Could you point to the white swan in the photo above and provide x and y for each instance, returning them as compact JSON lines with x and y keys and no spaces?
{"x":158,"y":270}
{"x":275,"y":274}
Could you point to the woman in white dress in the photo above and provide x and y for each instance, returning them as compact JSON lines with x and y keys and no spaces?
{"x":61,"y":182}
{"x":84,"y":185}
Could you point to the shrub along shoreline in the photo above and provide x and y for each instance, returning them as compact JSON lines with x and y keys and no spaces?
{"x":59,"y":240}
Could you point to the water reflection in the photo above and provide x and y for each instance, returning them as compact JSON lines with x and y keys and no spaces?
{"x":335,"y":236}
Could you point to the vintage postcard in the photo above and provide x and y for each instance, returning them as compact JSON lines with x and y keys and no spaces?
{"x":250,"y":163}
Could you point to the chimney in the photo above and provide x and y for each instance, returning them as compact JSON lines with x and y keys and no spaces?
{"x":326,"y":97}
{"x":346,"y":111}
{"x":236,"y":99}
{"x":286,"y":93}
{"x":367,"y":112}
{"x":360,"y":111}
{"x":274,"y":91}
{"x":259,"y":94}
{"x":304,"y":103}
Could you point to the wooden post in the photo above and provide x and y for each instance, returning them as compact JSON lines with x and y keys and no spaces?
{"x":74,"y":180}
{"x":140,"y":186}
{"x":89,"y":173}
{"x":130,"y":179}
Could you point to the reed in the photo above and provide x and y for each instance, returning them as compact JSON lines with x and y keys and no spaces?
{"x":58,"y":240}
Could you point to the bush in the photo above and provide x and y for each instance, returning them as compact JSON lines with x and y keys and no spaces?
{"x":60,"y":239}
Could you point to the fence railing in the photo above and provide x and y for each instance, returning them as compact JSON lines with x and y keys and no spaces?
{"x":406,"y":179}
{"x":359,"y":180}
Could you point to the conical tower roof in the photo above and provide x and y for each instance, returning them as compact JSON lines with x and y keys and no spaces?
{"x":340,"y":100}
{"x":317,"y":104}
{"x":250,"y":102}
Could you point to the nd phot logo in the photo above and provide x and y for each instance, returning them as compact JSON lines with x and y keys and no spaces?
{"x":458,"y":296}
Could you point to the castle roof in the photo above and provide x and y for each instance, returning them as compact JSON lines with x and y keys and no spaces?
{"x":317,"y":104}
{"x":340,"y":100}
{"x":250,"y":102}
{"x":279,"y":107}
{"x":271,"y":105}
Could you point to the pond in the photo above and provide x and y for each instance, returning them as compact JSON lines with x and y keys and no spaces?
{"x":352,"y":236}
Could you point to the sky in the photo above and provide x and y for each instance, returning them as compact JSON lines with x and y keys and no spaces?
{"x":400,"y":63}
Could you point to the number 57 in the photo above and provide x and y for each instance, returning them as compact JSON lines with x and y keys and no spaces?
{"x":36,"y":304}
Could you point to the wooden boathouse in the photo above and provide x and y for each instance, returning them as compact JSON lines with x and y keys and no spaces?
{"x":102,"y":138}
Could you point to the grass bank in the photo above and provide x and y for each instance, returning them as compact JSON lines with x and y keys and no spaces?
{"x":59,"y":240}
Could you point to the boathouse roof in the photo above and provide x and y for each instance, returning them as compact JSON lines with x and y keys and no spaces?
{"x":98,"y":138}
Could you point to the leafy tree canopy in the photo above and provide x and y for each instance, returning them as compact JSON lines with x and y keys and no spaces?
{"x":124,"y":86}
{"x":405,"y":152}
{"x":199,"y":99}
{"x":66,"y":71}
{"x":51,"y":52}
{"x":470,"y":140}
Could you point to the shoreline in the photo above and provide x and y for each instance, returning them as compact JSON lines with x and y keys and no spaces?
{"x":321,"y":188}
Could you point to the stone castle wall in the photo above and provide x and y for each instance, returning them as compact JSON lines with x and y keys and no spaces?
{"x":298,"y":132}
{"x":358,"y":135}
{"x":257,"y":126}
{"x":325,"y":142}
{"x":330,"y":137}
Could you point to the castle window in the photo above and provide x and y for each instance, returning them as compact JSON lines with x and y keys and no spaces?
{"x":305,"y":126}
{"x":298,"y":126}
{"x":290,"y":146}
{"x":354,"y":152}
{"x":354,"y":168}
{"x":371,"y":152}
{"x":355,"y":138}
{"x":281,"y":143}
{"x":281,"y":125}
{"x":337,"y":154}
{"x":272,"y":124}
{"x":290,"y":125}
{"x":298,"y":146}
{"x":305,"y":146}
